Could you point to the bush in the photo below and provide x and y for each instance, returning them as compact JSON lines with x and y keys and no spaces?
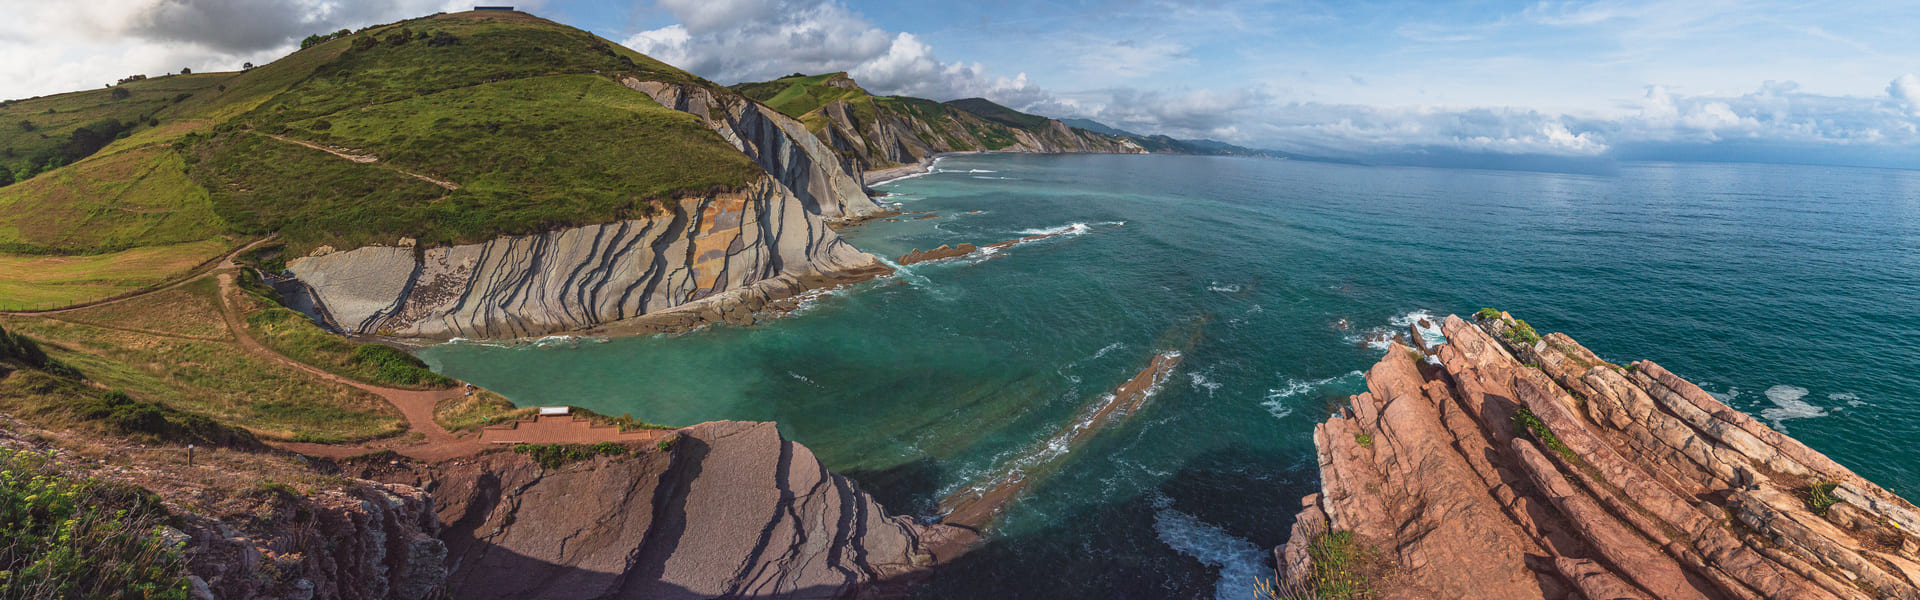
{"x":393,"y":366}
{"x":66,"y":538}
{"x":667,"y":443}
{"x":1820,"y":497}
{"x":1487,"y":314}
{"x":22,"y":349}
{"x":554,"y":456}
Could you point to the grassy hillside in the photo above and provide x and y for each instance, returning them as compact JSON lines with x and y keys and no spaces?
{"x":451,"y":128}
{"x":40,"y":134}
{"x":879,"y":122}
{"x":987,"y":109}
{"x":796,"y":95}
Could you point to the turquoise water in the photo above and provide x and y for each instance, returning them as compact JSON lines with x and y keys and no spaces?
{"x":1792,"y":291}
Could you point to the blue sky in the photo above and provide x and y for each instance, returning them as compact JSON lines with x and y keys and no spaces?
{"x":1693,"y":80}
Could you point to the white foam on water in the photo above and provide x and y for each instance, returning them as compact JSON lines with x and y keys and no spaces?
{"x":981,"y":171}
{"x":1068,"y":229}
{"x":1200,"y":381}
{"x":1727,"y":396}
{"x":1241,"y":563}
{"x":804,"y":379}
{"x":1225,"y":288}
{"x":1110,"y":348}
{"x":1850,"y":398}
{"x":995,"y":178}
{"x":1788,"y":405}
{"x":1276,"y":401}
{"x":1430,"y":331}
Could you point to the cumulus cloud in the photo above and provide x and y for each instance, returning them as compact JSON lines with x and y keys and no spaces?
{"x":64,"y":46}
{"x":1905,"y":91}
{"x":751,"y":40}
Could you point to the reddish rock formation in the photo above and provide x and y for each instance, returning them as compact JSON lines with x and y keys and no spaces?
{"x":733,"y":510}
{"x":1524,"y":467}
{"x":944,"y":251}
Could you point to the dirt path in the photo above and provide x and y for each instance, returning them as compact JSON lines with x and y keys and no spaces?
{"x":367,"y":159}
{"x":416,"y":405}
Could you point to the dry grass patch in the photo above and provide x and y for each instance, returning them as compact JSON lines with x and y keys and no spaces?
{"x":45,"y":282}
{"x":216,"y":379}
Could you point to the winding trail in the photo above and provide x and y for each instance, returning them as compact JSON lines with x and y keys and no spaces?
{"x":416,"y":405}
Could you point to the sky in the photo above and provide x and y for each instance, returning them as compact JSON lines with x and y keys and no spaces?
{"x":1820,"y":83}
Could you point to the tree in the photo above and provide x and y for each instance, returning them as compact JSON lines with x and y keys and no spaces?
{"x":120,"y":93}
{"x":246,"y":66}
{"x":186,"y":71}
{"x":6,"y":176}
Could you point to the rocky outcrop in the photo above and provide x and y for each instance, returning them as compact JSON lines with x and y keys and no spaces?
{"x":877,"y":135}
{"x":1515,"y":466}
{"x":368,"y":542}
{"x":781,"y":145}
{"x":717,"y":253}
{"x":732,"y":510}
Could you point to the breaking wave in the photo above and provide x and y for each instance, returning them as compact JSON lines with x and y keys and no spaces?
{"x":1276,"y":401}
{"x":1240,"y":561}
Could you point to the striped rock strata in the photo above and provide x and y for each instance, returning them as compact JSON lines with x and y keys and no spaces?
{"x":780,"y":144}
{"x":726,"y":253}
{"x":1646,"y":487}
{"x":732,"y":511}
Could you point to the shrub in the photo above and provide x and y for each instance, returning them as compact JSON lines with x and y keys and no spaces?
{"x":129,"y":417}
{"x":1364,"y":439}
{"x":554,"y":456}
{"x":67,"y":538}
{"x":1487,"y":314}
{"x":666,"y":444}
{"x":1820,"y":497}
{"x":392,"y":365}
{"x":1528,"y":424}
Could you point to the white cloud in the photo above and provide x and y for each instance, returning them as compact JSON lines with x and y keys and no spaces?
{"x":752,"y":40}
{"x":54,"y":47}
{"x":1905,"y":91}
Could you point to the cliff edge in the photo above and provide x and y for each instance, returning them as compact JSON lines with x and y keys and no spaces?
{"x":1504,"y":464}
{"x":729,"y":509}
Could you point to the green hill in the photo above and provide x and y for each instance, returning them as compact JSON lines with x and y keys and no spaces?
{"x":873,"y":132}
{"x":450,"y":128}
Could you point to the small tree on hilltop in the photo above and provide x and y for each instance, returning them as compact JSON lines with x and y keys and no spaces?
{"x":186,"y":71}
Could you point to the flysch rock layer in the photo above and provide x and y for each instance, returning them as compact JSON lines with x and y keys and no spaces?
{"x":781,"y":145}
{"x":732,"y":511}
{"x":1654,"y":489}
{"x":748,"y":247}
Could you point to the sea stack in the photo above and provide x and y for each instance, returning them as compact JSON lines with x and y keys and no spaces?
{"x":1504,"y":464}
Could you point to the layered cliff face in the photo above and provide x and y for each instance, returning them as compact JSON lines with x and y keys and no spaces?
{"x":894,"y":132}
{"x":775,"y":141}
{"x":875,"y":132}
{"x":732,"y":510}
{"x":1527,"y":467}
{"x":747,"y":247}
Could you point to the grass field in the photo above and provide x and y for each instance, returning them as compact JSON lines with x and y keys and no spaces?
{"x":38,"y":282}
{"x":212,"y":378}
{"x":140,"y":197}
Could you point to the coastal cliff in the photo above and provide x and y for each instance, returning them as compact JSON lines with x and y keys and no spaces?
{"x":775,"y":141}
{"x":731,"y":510}
{"x":738,"y":249}
{"x":877,"y":132}
{"x":1513,"y":465}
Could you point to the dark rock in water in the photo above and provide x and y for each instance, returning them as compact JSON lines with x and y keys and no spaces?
{"x":1538,"y":470}
{"x":944,"y":251}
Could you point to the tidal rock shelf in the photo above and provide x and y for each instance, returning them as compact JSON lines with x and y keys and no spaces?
{"x":1511,"y":465}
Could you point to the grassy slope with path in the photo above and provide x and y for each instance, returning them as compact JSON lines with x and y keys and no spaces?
{"x":525,"y":117}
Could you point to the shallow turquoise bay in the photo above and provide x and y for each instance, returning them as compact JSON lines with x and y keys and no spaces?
{"x":1792,"y":291}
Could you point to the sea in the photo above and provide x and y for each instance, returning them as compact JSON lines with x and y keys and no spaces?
{"x":1791,"y":292}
